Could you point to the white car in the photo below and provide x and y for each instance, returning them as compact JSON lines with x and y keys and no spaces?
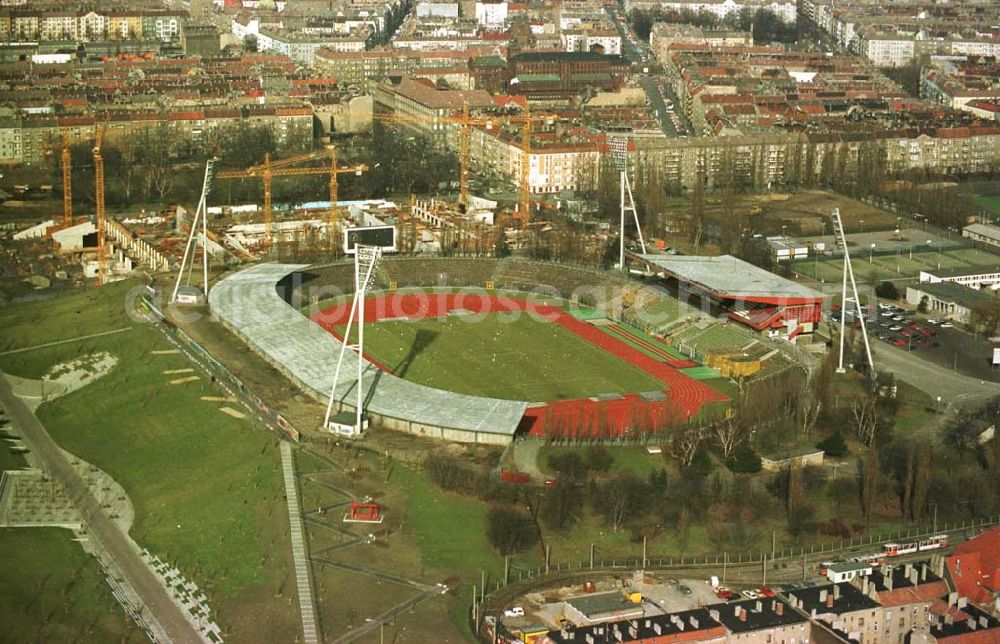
{"x":516,"y":611}
{"x":750,"y":594}
{"x":946,"y":325}
{"x":933,"y":321}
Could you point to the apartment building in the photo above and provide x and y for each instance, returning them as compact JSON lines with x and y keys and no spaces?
{"x":90,"y":26}
{"x":664,"y":35}
{"x":763,"y":621}
{"x":357,"y":68}
{"x":783,"y":9}
{"x":906,"y":593}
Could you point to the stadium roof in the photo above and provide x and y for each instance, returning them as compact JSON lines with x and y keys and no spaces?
{"x":249,"y":302}
{"x":731,"y":278}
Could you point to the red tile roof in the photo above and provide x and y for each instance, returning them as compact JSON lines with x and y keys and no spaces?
{"x":913,"y":594}
{"x":975,"y":566}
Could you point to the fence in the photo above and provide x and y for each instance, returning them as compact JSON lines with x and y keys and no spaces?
{"x":219,"y":372}
{"x":521,"y":580}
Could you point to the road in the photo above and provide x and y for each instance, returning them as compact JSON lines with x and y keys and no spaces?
{"x":100,"y":528}
{"x":955,"y":389}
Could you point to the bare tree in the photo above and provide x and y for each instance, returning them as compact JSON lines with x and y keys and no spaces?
{"x":869,"y":483}
{"x":728,"y":435}
{"x":686,"y":444}
{"x":864,"y":410}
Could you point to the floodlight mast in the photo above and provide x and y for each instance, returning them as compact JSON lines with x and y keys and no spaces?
{"x":366,"y":260}
{"x":619,"y":152}
{"x":200,"y":212}
{"x":838,"y":231}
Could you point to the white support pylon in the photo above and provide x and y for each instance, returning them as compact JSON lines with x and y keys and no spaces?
{"x":366,"y":260}
{"x":838,"y":231}
{"x":200,"y":212}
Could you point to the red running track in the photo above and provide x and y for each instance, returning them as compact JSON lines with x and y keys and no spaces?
{"x":583,"y":417}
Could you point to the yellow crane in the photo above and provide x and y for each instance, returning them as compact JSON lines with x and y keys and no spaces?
{"x":270,"y":169}
{"x":102,"y":259}
{"x":465,"y":121}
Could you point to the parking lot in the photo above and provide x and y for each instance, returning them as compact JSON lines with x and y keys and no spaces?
{"x":936,"y":341}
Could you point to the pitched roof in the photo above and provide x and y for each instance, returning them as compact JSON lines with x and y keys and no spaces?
{"x":975,"y":566}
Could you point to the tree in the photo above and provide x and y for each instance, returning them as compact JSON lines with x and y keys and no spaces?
{"x":728,"y":435}
{"x":835,"y":445}
{"x":598,"y":458}
{"x":870,"y":478}
{"x":865,"y":412}
{"x":568,"y":465}
{"x":744,"y":460}
{"x":250,"y":43}
{"x":986,"y":315}
{"x":618,"y":498}
{"x":562,"y":505}
{"x":842,"y":491}
{"x":922,"y":306}
{"x":510,"y":530}
{"x":800,"y":520}
{"x":686,"y":444}
{"x":887,"y":291}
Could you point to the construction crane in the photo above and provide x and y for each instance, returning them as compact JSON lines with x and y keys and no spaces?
{"x":67,"y":178}
{"x":102,"y":251}
{"x":270,"y":169}
{"x":464,"y":121}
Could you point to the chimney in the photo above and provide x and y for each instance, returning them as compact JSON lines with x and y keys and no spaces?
{"x":714,"y":614}
{"x":888,"y":581}
{"x":952,"y":598}
{"x":906,"y":570}
{"x":864,"y":585}
{"x":971,"y":623}
{"x":737,"y":613}
{"x":948,"y":619}
{"x":983,"y":621}
{"x":792,"y":599}
{"x":812,"y":614}
{"x":829,"y":601}
{"x":923,"y":571}
{"x":822,"y":595}
{"x":694,"y":622}
{"x":780,"y":608}
{"x":743,"y":615}
{"x":657,"y":628}
{"x":758,"y":607}
{"x":836,"y":591}
{"x":962,"y":602}
{"x":680,"y":624}
{"x":914,"y":576}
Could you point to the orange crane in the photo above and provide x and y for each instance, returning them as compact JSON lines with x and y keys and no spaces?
{"x":67,"y":178}
{"x":270,"y":169}
{"x":102,"y":251}
{"x":465,"y":121}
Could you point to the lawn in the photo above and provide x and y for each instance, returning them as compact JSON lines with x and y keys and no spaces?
{"x":633,"y":458}
{"x":523,"y":359}
{"x":52,"y":591}
{"x":989,"y":202}
{"x":206,"y":487}
{"x":893,"y":266}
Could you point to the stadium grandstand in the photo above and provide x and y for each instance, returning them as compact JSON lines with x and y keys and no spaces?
{"x":748,"y":295}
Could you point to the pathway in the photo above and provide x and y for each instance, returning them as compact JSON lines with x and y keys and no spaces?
{"x":67,"y":340}
{"x":164,"y":616}
{"x":300,"y":553}
{"x":525,"y":456}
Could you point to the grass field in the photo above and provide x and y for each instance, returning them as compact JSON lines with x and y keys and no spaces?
{"x":520,"y":360}
{"x":989,"y":202}
{"x":206,"y":487}
{"x":888,"y":267}
{"x":52,"y":591}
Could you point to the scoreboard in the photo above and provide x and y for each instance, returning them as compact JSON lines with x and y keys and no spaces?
{"x":383,"y":237}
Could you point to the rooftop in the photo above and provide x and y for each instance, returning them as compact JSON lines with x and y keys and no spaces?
{"x":760,"y":613}
{"x":597,"y":604}
{"x":833,"y":598}
{"x":951,"y":292}
{"x":732,"y":278}
{"x":975,"y":567}
{"x":687,"y":625}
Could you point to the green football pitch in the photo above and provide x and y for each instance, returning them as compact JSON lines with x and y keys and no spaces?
{"x":524,"y":359}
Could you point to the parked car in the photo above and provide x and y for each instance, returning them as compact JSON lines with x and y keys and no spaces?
{"x":724,"y":593}
{"x":516,"y":611}
{"x":895,"y":327}
{"x":750,"y":594}
{"x":764,"y":591}
{"x":947,"y":325}
{"x":684,"y":589}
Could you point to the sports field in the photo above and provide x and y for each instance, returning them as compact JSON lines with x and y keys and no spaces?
{"x":990,"y":202}
{"x":520,"y":359}
{"x":904,"y":265}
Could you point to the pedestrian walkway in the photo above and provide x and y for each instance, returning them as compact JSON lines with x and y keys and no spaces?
{"x":299,"y":555}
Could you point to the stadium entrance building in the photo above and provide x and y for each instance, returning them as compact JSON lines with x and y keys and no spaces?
{"x":746,"y":294}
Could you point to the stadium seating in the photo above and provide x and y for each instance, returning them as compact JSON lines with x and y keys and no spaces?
{"x":442,"y":271}
{"x":525,"y":275}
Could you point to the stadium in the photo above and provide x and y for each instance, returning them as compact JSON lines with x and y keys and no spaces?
{"x":481,"y":350}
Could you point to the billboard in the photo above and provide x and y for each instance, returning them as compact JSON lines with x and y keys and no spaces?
{"x":383,"y":237}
